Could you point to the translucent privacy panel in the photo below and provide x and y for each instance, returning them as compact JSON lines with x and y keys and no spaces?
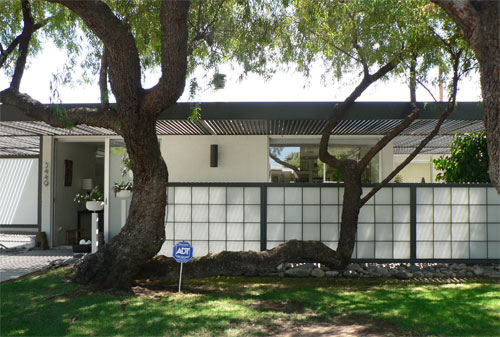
{"x":401,"y":213}
{"x":252,"y":231}
{"x":383,"y":231}
{"x":275,"y":231}
{"x":182,"y":231}
{"x":293,"y":213}
{"x":401,"y":250}
{"x":217,"y":213}
{"x":366,"y":214}
{"x":477,"y":195}
{"x":442,"y":213}
{"x":249,"y":245}
{"x":217,"y":195}
{"x":460,"y":232}
{"x":494,"y":232}
{"x":200,"y":195}
{"x":275,"y":213}
{"x":311,"y":195}
{"x":425,"y":196}
{"x":217,"y":231}
{"x":200,"y":248}
{"x":200,"y":231}
{"x":312,"y":231}
{"x":252,"y":213}
{"x":442,"y":250}
{"x":235,"y":231}
{"x":459,"y":213}
{"x":275,"y":195}
{"x":216,"y":246}
{"x":182,"y":213}
{"x":366,"y":190}
{"x":425,"y":232}
{"x":442,"y":232}
{"x":493,"y":197}
{"x":293,"y":231}
{"x":311,"y":213}
{"x":329,"y":195}
{"x":478,"y":250}
{"x":402,"y":232}
{"x":493,"y":250}
{"x":329,"y":213}
{"x":442,"y":196}
{"x":329,"y":232}
{"x":460,"y":196}
{"x":383,"y":250}
{"x":235,"y":195}
{"x":365,"y":250}
{"x":169,"y":231}
{"x":477,"y":213}
{"x":478,"y":232}
{"x":183,"y":195}
{"x":459,"y":250}
{"x":425,"y":213}
{"x":493,"y":213}
{"x":384,"y":196}
{"x":252,"y":195}
{"x":383,"y":213}
{"x":293,"y":195}
{"x":200,"y":213}
{"x":366,"y":232}
{"x":235,"y":246}
{"x":401,"y":195}
{"x":234,"y":213}
{"x":425,"y":250}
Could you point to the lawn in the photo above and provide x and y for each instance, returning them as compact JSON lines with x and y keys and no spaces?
{"x":49,"y":305}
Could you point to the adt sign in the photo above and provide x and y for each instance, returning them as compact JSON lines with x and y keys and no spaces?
{"x":183,"y":252}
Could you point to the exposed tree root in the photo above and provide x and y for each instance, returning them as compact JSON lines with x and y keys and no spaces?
{"x":244,"y":263}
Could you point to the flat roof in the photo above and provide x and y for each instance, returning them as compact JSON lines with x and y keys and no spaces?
{"x":19,"y":134}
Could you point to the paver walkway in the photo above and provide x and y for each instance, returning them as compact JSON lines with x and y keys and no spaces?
{"x":16,"y":264}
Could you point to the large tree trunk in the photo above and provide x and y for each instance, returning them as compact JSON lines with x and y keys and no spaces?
{"x":350,"y":210}
{"x":480,"y":21}
{"x":243,"y":263}
{"x":118,"y":262}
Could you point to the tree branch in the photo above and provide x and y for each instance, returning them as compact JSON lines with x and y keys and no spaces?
{"x":124,"y":63}
{"x":174,"y":32}
{"x":285,"y":164}
{"x":103,"y":80}
{"x":462,"y":12}
{"x":324,"y":155}
{"x":56,"y":115}
{"x":24,"y":43}
{"x":423,"y":143}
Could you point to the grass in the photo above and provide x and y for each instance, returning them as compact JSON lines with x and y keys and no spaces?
{"x":48,"y":305}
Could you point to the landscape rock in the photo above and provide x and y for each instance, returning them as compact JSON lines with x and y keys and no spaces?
{"x":478,"y":271}
{"x":403,"y":275}
{"x":350,"y":274}
{"x":332,"y":273}
{"x":318,"y":273}
{"x":354,"y":267}
{"x":298,"y":272}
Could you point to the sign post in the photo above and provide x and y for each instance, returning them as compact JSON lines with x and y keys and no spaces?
{"x":183,"y":252}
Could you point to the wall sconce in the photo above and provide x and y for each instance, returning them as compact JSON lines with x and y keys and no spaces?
{"x":87,"y":184}
{"x":214,"y":155}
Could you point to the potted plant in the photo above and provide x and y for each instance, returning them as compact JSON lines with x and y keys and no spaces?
{"x":127,"y":166}
{"x":93,"y":200}
{"x":123,"y":190}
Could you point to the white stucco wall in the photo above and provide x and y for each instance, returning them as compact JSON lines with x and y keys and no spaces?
{"x":241,"y":158}
{"x":418,"y":168}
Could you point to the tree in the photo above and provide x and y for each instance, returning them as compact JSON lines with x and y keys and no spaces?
{"x":467,"y":162}
{"x":480,"y":22}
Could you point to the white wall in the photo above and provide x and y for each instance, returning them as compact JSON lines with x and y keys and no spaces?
{"x":241,"y":158}
{"x":19,"y":191}
{"x":47,"y":188}
{"x":418,"y":168}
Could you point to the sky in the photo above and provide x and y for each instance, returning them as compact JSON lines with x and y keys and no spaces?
{"x":284,"y":86}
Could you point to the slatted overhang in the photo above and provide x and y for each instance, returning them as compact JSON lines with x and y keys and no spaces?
{"x":19,"y":136}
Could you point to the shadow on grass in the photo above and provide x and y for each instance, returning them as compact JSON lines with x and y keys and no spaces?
{"x":48,"y":305}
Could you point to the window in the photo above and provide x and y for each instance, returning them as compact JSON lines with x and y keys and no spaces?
{"x":301,"y":163}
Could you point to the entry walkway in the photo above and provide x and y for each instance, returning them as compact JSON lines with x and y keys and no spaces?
{"x":15,"y":264}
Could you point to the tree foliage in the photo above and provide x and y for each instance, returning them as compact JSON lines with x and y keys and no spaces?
{"x":468,"y":160}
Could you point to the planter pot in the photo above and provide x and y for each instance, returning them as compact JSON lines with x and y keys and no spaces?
{"x":94,"y":206}
{"x":124,"y":194}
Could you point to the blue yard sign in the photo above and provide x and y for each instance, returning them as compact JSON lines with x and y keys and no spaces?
{"x":183,"y":252}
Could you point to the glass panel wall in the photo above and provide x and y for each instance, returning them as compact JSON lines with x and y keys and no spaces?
{"x":301,"y":163}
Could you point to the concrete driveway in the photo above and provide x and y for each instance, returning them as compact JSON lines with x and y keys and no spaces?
{"x":15,"y":264}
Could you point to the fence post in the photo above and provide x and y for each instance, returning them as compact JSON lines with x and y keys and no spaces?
{"x":413,"y":223}
{"x":263,"y":217}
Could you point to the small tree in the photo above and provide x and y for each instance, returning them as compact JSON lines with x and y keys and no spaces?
{"x":468,"y":160}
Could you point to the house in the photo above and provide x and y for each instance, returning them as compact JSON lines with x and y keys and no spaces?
{"x":42,"y":167}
